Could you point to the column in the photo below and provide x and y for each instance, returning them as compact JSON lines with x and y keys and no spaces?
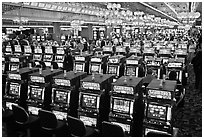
{"x":56,"y":31}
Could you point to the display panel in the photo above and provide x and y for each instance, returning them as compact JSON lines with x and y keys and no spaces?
{"x":109,"y":49}
{"x":14,"y":59}
{"x":113,"y":60}
{"x":123,"y":90}
{"x":9,"y":105}
{"x":120,"y":105}
{"x":125,"y":127}
{"x":38,"y":50}
{"x":37,"y":57}
{"x":79,"y":58}
{"x":8,"y":49}
{"x":48,"y":50}
{"x":90,"y":85}
{"x":37,"y":79}
{"x":158,"y":112}
{"x":47,"y":58}
{"x":132,"y":62}
{"x":60,"y":115}
{"x":131,"y":71}
{"x":62,"y":82}
{"x":95,"y":68}
{"x":79,"y":67}
{"x":14,"y":89}
{"x":36,"y":93}
{"x":112,"y":69}
{"x":27,"y":49}
{"x":175,"y":65}
{"x":33,"y":110}
{"x":95,"y":59}
{"x":61,"y":96}
{"x":159,"y":94}
{"x":60,"y":51}
{"x":88,"y":121}
{"x":89,"y":101}
{"x":14,"y":67}
{"x":14,"y":76}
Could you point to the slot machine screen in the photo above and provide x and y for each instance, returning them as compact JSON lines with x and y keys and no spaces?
{"x":38,"y":50}
{"x":61,"y":96}
{"x":157,"y":112}
{"x":95,"y":68}
{"x":47,"y":58}
{"x":60,"y":51}
{"x":59,"y":58}
{"x":14,"y":89}
{"x":18,"y":48}
{"x":159,"y":94}
{"x":8,"y":49}
{"x":37,"y":57}
{"x":27,"y":49}
{"x":131,"y":71}
{"x":79,"y":67}
{"x":36,"y":93}
{"x":89,"y":101}
{"x":88,"y":121}
{"x":112,"y":70}
{"x":14,"y":67}
{"x":48,"y":50}
{"x":122,"y":106}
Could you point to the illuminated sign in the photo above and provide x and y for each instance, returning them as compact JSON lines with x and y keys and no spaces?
{"x":37,"y":57}
{"x":48,"y":50}
{"x":123,"y":89}
{"x":62,"y":82}
{"x":14,"y":89}
{"x":180,"y":52}
{"x":17,"y":48}
{"x":157,"y":112}
{"x":33,"y":110}
{"x":107,"y":48}
{"x":38,"y":50}
{"x":120,"y":49}
{"x":95,"y":59}
{"x":47,"y":58}
{"x":60,"y":51}
{"x":27,"y":49}
{"x":14,"y":67}
{"x":164,"y":51}
{"x":114,"y":60}
{"x":14,"y":59}
{"x":37,"y":79}
{"x":134,"y":50}
{"x":151,"y":51}
{"x":59,"y":58}
{"x":14,"y":76}
{"x":175,"y":65}
{"x":90,"y":85}
{"x":159,"y":94}
{"x":79,"y":58}
{"x":8,"y":49}
{"x":135,"y":62}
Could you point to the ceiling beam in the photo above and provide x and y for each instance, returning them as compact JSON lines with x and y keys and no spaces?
{"x":172,"y":9}
{"x":147,"y":5}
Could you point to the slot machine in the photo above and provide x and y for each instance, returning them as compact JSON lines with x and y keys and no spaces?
{"x":94,"y":99}
{"x":59,"y":57}
{"x":39,"y":90}
{"x":27,"y":50}
{"x":155,"y":65}
{"x":159,"y":107}
{"x":120,"y":50}
{"x":115,"y":65}
{"x":65,"y":94}
{"x":108,"y":50}
{"x":16,"y":62}
{"x":8,"y":50}
{"x":182,"y":54}
{"x":127,"y":106}
{"x":48,"y":56}
{"x":17,"y":87}
{"x":131,"y":66}
{"x":98,"y":64}
{"x":135,"y":51}
{"x":38,"y":55}
{"x":42,"y":38}
{"x":81,"y":62}
{"x":165,"y":54}
{"x":38,"y":38}
{"x":17,"y":48}
{"x":178,"y":66}
{"x":148,"y":52}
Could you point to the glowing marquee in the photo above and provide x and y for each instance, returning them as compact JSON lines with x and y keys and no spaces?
{"x":133,"y":62}
{"x":37,"y":79}
{"x":14,"y":59}
{"x":62,"y":82}
{"x":14,"y":76}
{"x":159,"y":94}
{"x":114,"y":60}
{"x":90,"y":85}
{"x":79,"y":58}
{"x":95,"y":59}
{"x":175,"y":65}
{"x":123,"y":90}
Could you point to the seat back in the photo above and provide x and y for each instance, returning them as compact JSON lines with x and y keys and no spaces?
{"x":47,"y":119}
{"x":156,"y":134}
{"x":20,"y":115}
{"x":76,"y":126}
{"x":111,"y":130}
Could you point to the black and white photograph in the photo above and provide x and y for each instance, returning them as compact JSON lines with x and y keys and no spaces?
{"x":101,"y":68}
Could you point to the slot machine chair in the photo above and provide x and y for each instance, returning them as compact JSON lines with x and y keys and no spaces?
{"x":23,"y":119}
{"x":49,"y":123}
{"x":77,"y":128}
{"x":7,"y":118}
{"x":111,"y":130}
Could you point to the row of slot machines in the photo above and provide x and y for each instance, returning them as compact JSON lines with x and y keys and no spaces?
{"x":94,"y":98}
{"x":119,"y":65}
